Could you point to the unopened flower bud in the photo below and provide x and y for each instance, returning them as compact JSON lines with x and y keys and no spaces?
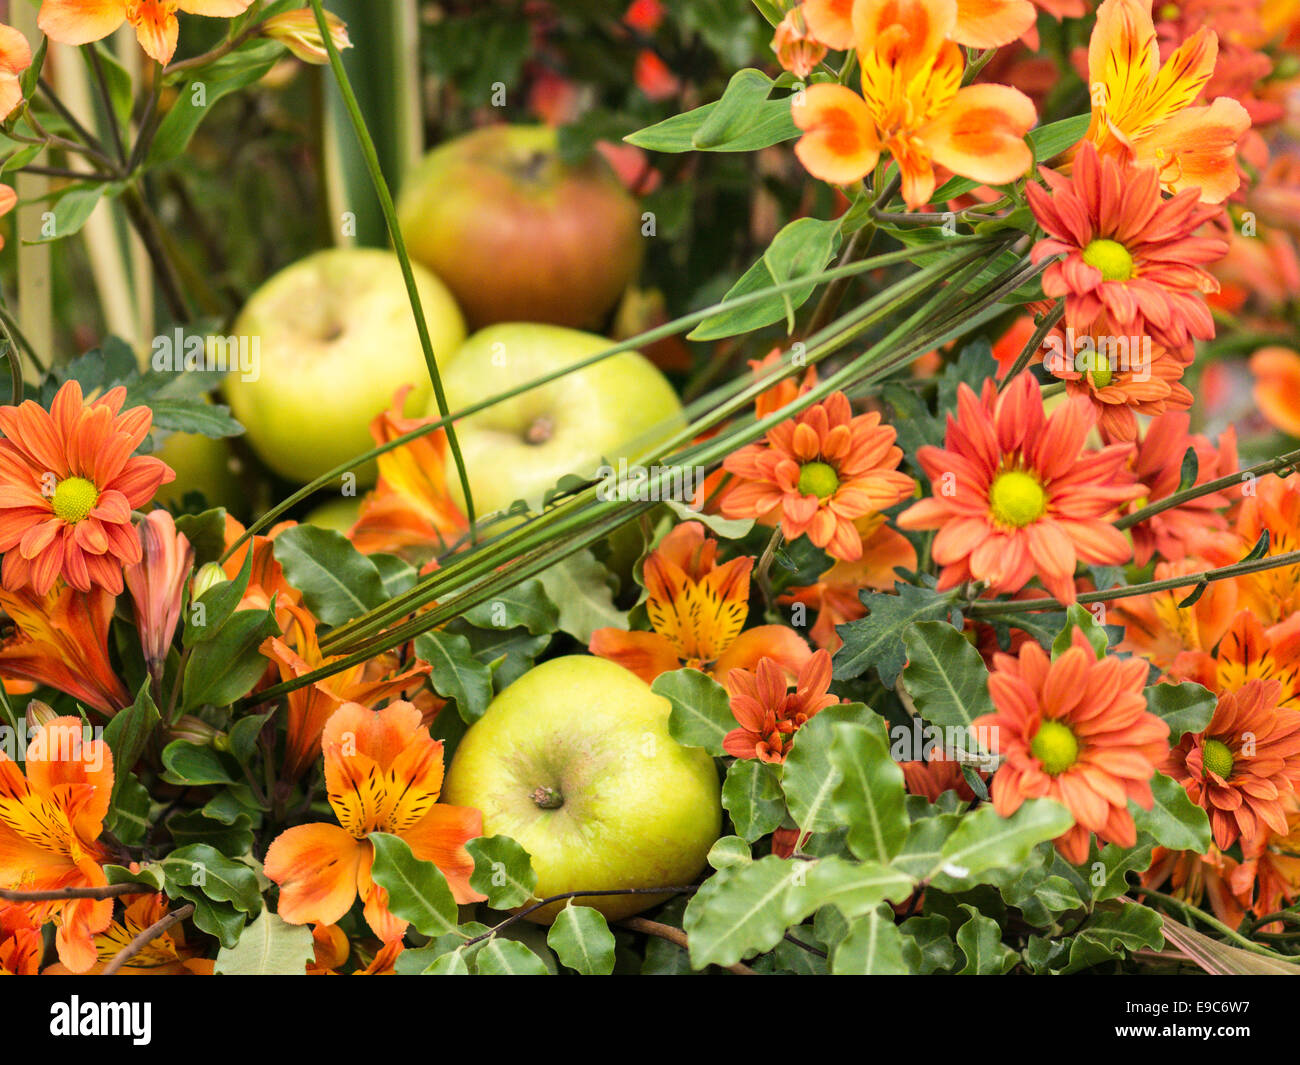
{"x":207,"y":578}
{"x":299,"y":32}
{"x":192,"y":729}
{"x":40,"y":714}
{"x":797,"y":50}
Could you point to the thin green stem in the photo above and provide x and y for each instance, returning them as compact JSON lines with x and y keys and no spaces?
{"x":1046,"y":324}
{"x":1276,"y":465}
{"x":106,"y":98}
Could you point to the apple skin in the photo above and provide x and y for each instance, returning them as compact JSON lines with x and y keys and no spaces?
{"x":639,"y":810}
{"x":202,"y":464}
{"x":337,"y":340}
{"x":616,"y":408}
{"x":517,"y":234}
{"x":338,"y":514}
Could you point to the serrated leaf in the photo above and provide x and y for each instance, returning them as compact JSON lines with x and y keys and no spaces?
{"x":876,"y":641}
{"x":945,"y":676}
{"x":869,"y":795}
{"x":980,"y":941}
{"x":752,"y":795}
{"x":701,"y":709}
{"x":808,"y":777}
{"x":269,"y":946}
{"x":582,"y":940}
{"x":1116,"y":863}
{"x":526,"y":605}
{"x":579,"y":587}
{"x":417,"y":890}
{"x":503,"y":871}
{"x":1114,"y":933}
{"x":927,"y":944}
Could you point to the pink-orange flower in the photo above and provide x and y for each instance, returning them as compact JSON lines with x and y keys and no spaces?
{"x":15,"y":57}
{"x":1277,"y":386}
{"x":698,"y":608}
{"x":1076,"y":730}
{"x":1017,"y":496}
{"x":51,"y":818}
{"x":383,"y":773}
{"x":68,"y":483}
{"x":157,"y":585}
{"x":824,"y":469}
{"x":154,"y":21}
{"x":1141,"y":110}
{"x":767,"y":713}
{"x":1244,"y":763}
{"x":1130,"y":255}
{"x":797,"y":50}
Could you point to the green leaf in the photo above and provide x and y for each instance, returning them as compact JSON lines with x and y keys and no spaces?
{"x":193,"y":826}
{"x":1114,"y":932}
{"x":241,"y":738}
{"x":128,"y":816}
{"x":701,"y":709}
{"x":206,"y":533}
{"x":873,"y":947}
{"x":945,"y":676}
{"x":72,"y":211}
{"x":770,"y":124}
{"x":1078,"y":616}
{"x":151,"y":875}
{"x":525,"y":605}
{"x":985,"y":840}
{"x":723,"y":528}
{"x":728,"y":851}
{"x":503,"y":871}
{"x":752,"y":795}
{"x":508,"y":957}
{"x":195,"y":765}
{"x":417,"y":890}
{"x":876,"y":641}
{"x":734,"y":113}
{"x":211,"y":611}
{"x":1113,"y":865}
{"x":801,"y":248}
{"x":927,"y":944}
{"x":223,"y":891}
{"x":808,"y":776}
{"x":1184,"y":707}
{"x":580,"y":587}
{"x":269,"y":946}
{"x":194,"y":416}
{"x":225,"y":667}
{"x":869,"y":794}
{"x":127,"y":736}
{"x":457,"y":674}
{"x":582,"y":940}
{"x":1173,"y":821}
{"x":980,"y":940}
{"x":338,"y":583}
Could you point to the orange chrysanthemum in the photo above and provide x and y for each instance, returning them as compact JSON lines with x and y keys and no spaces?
{"x":1076,"y":730}
{"x":50,"y":822}
{"x":1016,"y":495}
{"x":154,"y":21}
{"x":1133,"y":260}
{"x":1243,"y":764}
{"x":824,"y":469}
{"x":383,"y":773}
{"x":68,"y":483}
{"x":697,"y":608}
{"x":768,"y":713}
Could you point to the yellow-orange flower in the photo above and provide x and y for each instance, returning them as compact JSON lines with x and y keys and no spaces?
{"x":21,"y":946}
{"x":1193,"y":876}
{"x":1163,"y":632}
{"x":50,"y":822}
{"x":1076,"y":730}
{"x":1277,"y":387}
{"x":1141,"y":110}
{"x":383,"y":773}
{"x":154,"y":21}
{"x":767,"y":713}
{"x":15,"y":57}
{"x":697,"y":608}
{"x":165,"y":955}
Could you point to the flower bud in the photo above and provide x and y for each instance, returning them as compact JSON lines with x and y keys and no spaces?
{"x":192,"y":729}
{"x":39,"y":714}
{"x":797,"y":50}
{"x":299,"y":32}
{"x":208,"y":577}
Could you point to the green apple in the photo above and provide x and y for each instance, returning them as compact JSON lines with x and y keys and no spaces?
{"x":202,"y":464}
{"x":336,"y":338}
{"x":575,"y":763}
{"x":617,"y":408}
{"x":338,"y":514}
{"x":519,"y":235}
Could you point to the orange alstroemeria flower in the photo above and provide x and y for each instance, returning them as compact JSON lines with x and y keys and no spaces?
{"x":154,"y":21}
{"x":1163,"y":632}
{"x":1271,"y":503}
{"x":15,"y":57}
{"x":21,"y":945}
{"x":383,"y":773}
{"x":1249,"y":651}
{"x":767,"y":713}
{"x":1141,"y":110}
{"x":697,"y":608}
{"x":844,"y":24}
{"x":62,"y":641}
{"x":1277,"y":387}
{"x":69,"y":480}
{"x":913,"y":105}
{"x":166,"y":955}
{"x":411,"y":506}
{"x":157,"y":585}
{"x":1270,"y":869}
{"x":298,"y":653}
{"x":266,"y":580}
{"x":50,"y":822}
{"x":1193,"y":876}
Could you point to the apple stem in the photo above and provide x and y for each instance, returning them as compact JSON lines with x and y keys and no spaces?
{"x":547,"y":798}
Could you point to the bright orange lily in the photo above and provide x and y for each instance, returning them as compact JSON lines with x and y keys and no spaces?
{"x":842,"y":24}
{"x":298,"y":653}
{"x":411,"y":506}
{"x":154,"y":21}
{"x":266,"y":579}
{"x":62,"y":641}
{"x":383,"y":773}
{"x":1161,"y":631}
{"x":1141,"y":111}
{"x":50,"y":822}
{"x":698,"y":608}
{"x":165,"y":955}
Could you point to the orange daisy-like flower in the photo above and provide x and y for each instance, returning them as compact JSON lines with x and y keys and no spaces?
{"x":411,"y":506}
{"x":824,"y":469}
{"x":50,"y":822}
{"x":154,"y":21}
{"x":1243,"y":764}
{"x":68,"y":483}
{"x":383,"y":773}
{"x":768,"y":713}
{"x":697,"y":607}
{"x":1141,"y":110}
{"x":165,"y":955}
{"x":1132,"y":258}
{"x":1016,"y":495}
{"x":1076,"y":730}
{"x":933,"y":776}
{"x":62,"y":641}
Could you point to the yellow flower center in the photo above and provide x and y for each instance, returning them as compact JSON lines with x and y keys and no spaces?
{"x":1216,"y":756}
{"x":1016,"y":498}
{"x":818,"y":479}
{"x":1111,"y":258}
{"x":1055,"y":746}
{"x":74,"y":498}
{"x":1101,"y":376}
